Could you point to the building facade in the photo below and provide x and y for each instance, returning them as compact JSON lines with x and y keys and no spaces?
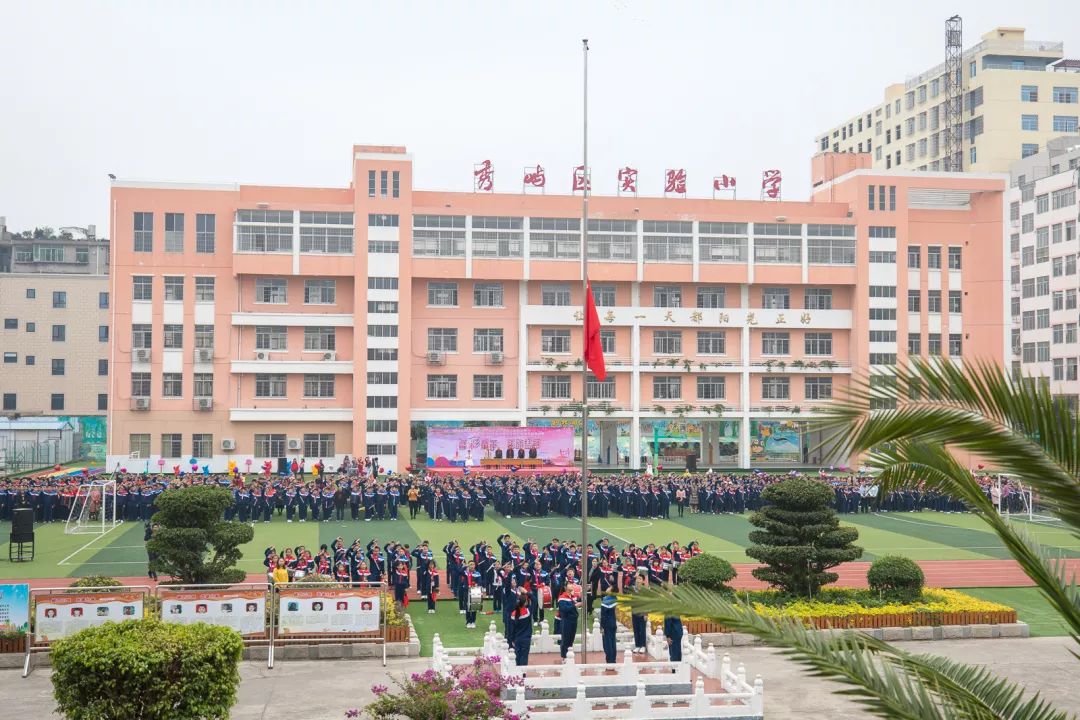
{"x":253,"y":323}
{"x":1043,"y":213}
{"x":1017,"y":94}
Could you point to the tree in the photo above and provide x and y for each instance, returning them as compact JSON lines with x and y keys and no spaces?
{"x":709,"y":572}
{"x":800,"y":537}
{"x":193,"y":544}
{"x":1014,"y":425}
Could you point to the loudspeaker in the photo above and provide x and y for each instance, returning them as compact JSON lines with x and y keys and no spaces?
{"x":282,"y":465}
{"x":22,"y":525}
{"x":691,"y":462}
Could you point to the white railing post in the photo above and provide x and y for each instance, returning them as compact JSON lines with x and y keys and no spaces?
{"x":581,"y":705}
{"x":757,"y":702}
{"x":710,"y":661}
{"x":639,"y":708}
{"x":740,"y":673}
{"x":519,"y":706}
{"x":699,"y":704}
{"x":511,"y":657}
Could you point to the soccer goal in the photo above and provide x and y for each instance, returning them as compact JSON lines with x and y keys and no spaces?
{"x":94,"y":510}
{"x":1017,"y":500}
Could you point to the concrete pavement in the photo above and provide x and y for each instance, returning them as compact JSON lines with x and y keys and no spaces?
{"x":298,"y":690}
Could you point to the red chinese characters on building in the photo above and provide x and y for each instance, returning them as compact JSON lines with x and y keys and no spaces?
{"x":724,"y":182}
{"x":484,"y":177}
{"x":675,"y":181}
{"x":770,"y":184}
{"x":536,"y":177}
{"x":580,"y":180}
{"x":628,"y":180}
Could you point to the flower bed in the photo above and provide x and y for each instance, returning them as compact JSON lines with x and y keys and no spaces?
{"x":845,"y":608}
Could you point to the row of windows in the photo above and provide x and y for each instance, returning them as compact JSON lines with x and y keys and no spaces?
{"x":205,"y":232}
{"x":1060,"y":94}
{"x":665,"y":387}
{"x":933,"y":301}
{"x":60,"y":299}
{"x":267,"y":385}
{"x":57,"y":401}
{"x":933,"y":344}
{"x":933,"y":257}
{"x":142,"y":288}
{"x":267,"y":445}
{"x":59,"y":332}
{"x":1060,"y":123}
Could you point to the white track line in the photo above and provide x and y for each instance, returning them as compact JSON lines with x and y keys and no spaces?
{"x":94,"y":540}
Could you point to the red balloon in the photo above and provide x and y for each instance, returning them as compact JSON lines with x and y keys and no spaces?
{"x":980,"y":466}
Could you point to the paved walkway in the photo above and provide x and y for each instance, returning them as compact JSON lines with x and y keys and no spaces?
{"x":939,"y":573}
{"x":299,"y":690}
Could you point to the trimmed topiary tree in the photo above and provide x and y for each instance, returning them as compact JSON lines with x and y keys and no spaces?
{"x":147,"y":670}
{"x":896,"y":578}
{"x":799,"y":537}
{"x":194,"y":545}
{"x":709,"y":572}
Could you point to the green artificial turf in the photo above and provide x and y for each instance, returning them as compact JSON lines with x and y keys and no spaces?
{"x":1031,"y":607}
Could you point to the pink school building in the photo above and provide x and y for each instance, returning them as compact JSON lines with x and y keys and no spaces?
{"x":253,"y":323}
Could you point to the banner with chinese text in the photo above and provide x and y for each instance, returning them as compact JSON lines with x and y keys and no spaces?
{"x":58,"y":616}
{"x":328,"y":610}
{"x":241,"y":610}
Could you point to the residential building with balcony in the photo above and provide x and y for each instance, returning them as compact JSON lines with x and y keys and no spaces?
{"x":280,"y":322}
{"x":1016,"y":95}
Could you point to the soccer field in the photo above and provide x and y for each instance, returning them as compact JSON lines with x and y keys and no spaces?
{"x":921,"y":536}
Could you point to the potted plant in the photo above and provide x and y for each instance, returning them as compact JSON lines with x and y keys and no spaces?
{"x":702,"y":366}
{"x":672,"y":362}
{"x":578,"y":363}
{"x":769,"y":363}
{"x":608,"y":408}
{"x":795,"y":409}
{"x":688,"y":365}
{"x":549,"y":361}
{"x":658,"y":408}
{"x":781,"y":365}
{"x":719,"y":409}
{"x":811,"y":364}
{"x":545,"y":409}
{"x":656,"y":363}
{"x":562,"y":365}
{"x":828,"y":364}
{"x":798,"y":364}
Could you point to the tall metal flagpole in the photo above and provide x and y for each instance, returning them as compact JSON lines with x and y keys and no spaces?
{"x":584,"y":366}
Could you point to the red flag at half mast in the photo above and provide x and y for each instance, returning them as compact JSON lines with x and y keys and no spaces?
{"x":594,"y":351}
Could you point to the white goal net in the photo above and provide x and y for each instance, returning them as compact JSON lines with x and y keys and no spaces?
{"x":1017,"y":500}
{"x":94,"y":510}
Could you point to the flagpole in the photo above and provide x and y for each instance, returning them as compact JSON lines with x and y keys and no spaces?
{"x":584,"y":366}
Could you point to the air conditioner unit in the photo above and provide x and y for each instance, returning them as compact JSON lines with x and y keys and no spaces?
{"x":436,"y":358}
{"x":141,"y":403}
{"x":204,"y":403}
{"x":204,"y":355}
{"x":495,"y":358}
{"x":142,"y":354}
{"x":228,"y":444}
{"x":262,"y":355}
{"x":329,"y":355}
{"x":294,"y":443}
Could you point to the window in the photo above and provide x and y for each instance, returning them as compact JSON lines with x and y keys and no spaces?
{"x":172,"y":385}
{"x":818,"y":343}
{"x":711,"y":342}
{"x":319,"y":445}
{"x":144,"y":232}
{"x":667,"y":342}
{"x":204,"y":289}
{"x":270,"y":385}
{"x":710,"y":297}
{"x":556,"y":295}
{"x":555,"y":341}
{"x":1070,"y":369}
{"x":439,"y":235}
{"x":320,"y":339}
{"x":817,"y":388}
{"x":383,"y":247}
{"x":1042,"y":203}
{"x":604,"y":295}
{"x":1065,"y":123}
{"x":667,"y":387}
{"x":174,"y":289}
{"x":933,"y":257}
{"x":780,"y":250}
{"x":1029,"y":122}
{"x":489,"y":295}
{"x":956,"y":344}
{"x":329,"y":232}
{"x":501,"y":237}
{"x":271,"y":337}
{"x":882,"y":358}
{"x":914,"y":344}
{"x":442,"y":339}
{"x":892,"y":197}
{"x":1027,"y":255}
{"x":31,"y":327}
{"x":264,"y":231}
{"x":933,"y":345}
{"x":382,"y":220}
{"x":1059,"y":369}
{"x":320,"y":292}
{"x":384,"y":331}
{"x":1029,"y":93}
{"x":442,"y":294}
{"x":11,"y":357}
{"x":31,"y":293}
{"x":395,"y":192}
{"x":710,"y":387}
{"x":271,"y":291}
{"x":488,"y":387}
{"x":103,"y":333}
{"x":1042,"y":318}
{"x":600,"y":390}
{"x":1066,"y":197}
{"x":174,"y":232}
{"x":1065,"y":95}
{"x":59,"y":333}
{"x":205,"y":232}
{"x":270,"y":445}
{"x":374,"y":426}
{"x":870,"y":188}
{"x":883,"y":291}
{"x":554,"y":387}
{"x":140,"y":384}
{"x":381,"y":402}
{"x":11,"y":323}
{"x":1058,"y":335}
{"x":204,"y":385}
{"x":202,"y":445}
{"x":59,"y":299}
{"x":775,"y":388}
{"x":882,"y":313}
{"x":486,"y":340}
{"x":774,"y":343}
{"x":818,"y":298}
{"x":607,"y":342}
{"x":103,"y":300}
{"x":956,"y":301}
{"x":382,"y":307}
{"x":142,"y":336}
{"x":1028,"y":320}
{"x":174,"y":336}
{"x":1028,"y":149}
{"x":933,"y":301}
{"x":1042,"y":285}
{"x":883,"y":256}
{"x":371,"y":183}
{"x":10,"y":401}
{"x":319,"y":386}
{"x":914,"y":256}
{"x":171,"y":445}
{"x":382,"y":182}
{"x":103,"y":401}
{"x":58,"y":366}
{"x":955,"y":257}
{"x":667,"y":296}
{"x":776,"y":298}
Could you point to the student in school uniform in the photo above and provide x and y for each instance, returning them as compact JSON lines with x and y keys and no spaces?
{"x":432,"y":587}
{"x":521,"y":624}
{"x":608,"y":626}
{"x":673,"y":633}
{"x":568,"y":620}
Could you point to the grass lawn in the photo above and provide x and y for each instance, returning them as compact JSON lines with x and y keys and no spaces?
{"x":1031,"y":607}
{"x":449,"y":624}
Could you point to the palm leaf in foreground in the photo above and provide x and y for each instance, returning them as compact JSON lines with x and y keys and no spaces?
{"x":887,"y":681}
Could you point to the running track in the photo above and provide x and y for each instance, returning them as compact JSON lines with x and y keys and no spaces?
{"x":939,"y":573}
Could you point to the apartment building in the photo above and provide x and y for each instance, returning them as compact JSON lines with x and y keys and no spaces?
{"x":253,"y":323}
{"x":1043,"y":213}
{"x":1017,"y":94}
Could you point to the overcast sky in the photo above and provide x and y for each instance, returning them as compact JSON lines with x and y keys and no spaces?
{"x":277,"y":92}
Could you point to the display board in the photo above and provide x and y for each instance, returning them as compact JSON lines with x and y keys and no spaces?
{"x":328,"y":610}
{"x":60,"y":615}
{"x":476,"y":448}
{"x":241,"y":610}
{"x":14,"y":608}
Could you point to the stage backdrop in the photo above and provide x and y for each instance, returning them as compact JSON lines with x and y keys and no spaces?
{"x":479,"y":447}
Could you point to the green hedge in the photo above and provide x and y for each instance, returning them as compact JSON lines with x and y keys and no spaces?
{"x":896,"y":578}
{"x":707,"y":571}
{"x":147,"y":670}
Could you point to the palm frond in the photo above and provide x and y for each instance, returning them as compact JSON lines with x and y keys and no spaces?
{"x":887,"y":681}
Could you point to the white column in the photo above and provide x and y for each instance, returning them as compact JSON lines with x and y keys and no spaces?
{"x":523,"y":351}
{"x":468,"y":247}
{"x":635,"y":376}
{"x":744,"y":414}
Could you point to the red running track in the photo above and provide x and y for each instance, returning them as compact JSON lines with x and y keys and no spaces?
{"x":939,"y":573}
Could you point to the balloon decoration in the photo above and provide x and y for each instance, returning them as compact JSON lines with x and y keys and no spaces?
{"x":248,"y":463}
{"x":980,"y":466}
{"x":161,"y":462}
{"x":266,"y":467}
{"x":176,"y":469}
{"x":193,"y":462}
{"x":315,"y":470}
{"x":232,"y":466}
{"x":205,"y":470}
{"x":123,"y":470}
